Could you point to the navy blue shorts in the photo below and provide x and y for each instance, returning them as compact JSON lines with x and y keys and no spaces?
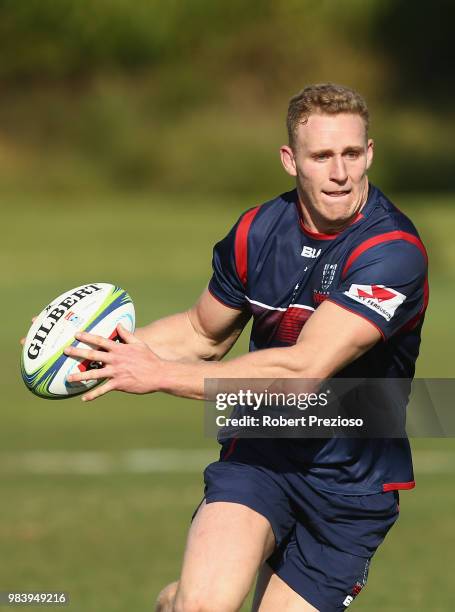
{"x":324,"y":540}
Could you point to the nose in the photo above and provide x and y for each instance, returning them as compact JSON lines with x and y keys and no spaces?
{"x":338,"y":171}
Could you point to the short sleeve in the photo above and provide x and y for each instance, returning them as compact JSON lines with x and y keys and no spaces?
{"x":386,"y":284}
{"x":225,"y":284}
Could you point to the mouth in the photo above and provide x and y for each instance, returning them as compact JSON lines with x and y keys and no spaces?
{"x":337,"y":194}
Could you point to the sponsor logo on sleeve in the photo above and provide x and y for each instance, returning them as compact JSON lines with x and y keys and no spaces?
{"x":379,"y":298}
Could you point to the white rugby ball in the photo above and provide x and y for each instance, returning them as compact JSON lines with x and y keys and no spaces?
{"x":96,"y":308}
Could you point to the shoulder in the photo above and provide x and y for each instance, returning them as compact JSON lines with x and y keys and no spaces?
{"x":256,"y":225}
{"x":275,"y":215}
{"x":387,"y":236}
{"x":259,"y":222}
{"x":384,"y":216}
{"x":271,"y":210}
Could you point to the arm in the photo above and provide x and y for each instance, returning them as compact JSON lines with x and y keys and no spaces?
{"x":332,"y":338}
{"x":205,"y":332}
{"x":383,"y":289}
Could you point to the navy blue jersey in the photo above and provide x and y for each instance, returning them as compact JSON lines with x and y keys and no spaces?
{"x":273,"y":267}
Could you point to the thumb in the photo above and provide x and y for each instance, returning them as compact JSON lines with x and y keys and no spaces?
{"x":127,"y":336}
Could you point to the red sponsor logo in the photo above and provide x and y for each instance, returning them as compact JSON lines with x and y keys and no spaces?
{"x":379,"y":298}
{"x":377,"y":293}
{"x":357,"y":588}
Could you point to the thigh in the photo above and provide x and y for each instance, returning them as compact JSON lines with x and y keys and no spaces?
{"x":226,"y":545}
{"x":272,"y":594}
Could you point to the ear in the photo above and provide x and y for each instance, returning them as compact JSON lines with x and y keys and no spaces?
{"x":370,"y":152}
{"x":288,"y":160}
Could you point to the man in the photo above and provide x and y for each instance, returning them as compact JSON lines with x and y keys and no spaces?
{"x":334,"y":277}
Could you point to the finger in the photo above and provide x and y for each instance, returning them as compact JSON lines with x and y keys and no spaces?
{"x":90,"y":354}
{"x":98,"y":391}
{"x":99,"y":341}
{"x":127,"y":336}
{"x":95,"y":374}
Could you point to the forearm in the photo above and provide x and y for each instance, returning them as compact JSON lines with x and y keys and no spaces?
{"x":187,"y":379}
{"x":328,"y":342}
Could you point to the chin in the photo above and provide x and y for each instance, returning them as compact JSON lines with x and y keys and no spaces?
{"x":337,"y":213}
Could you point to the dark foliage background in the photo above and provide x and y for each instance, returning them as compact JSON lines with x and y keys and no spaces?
{"x":191,"y":95}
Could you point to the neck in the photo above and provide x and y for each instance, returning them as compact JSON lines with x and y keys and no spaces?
{"x":316,"y":223}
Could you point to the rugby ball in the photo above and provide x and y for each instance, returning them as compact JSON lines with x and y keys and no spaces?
{"x":96,"y":308}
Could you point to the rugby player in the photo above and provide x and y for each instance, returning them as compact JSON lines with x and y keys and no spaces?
{"x":334,"y":276}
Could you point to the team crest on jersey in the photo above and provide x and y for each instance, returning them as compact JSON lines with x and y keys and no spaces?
{"x":328,"y":274}
{"x":379,"y":298}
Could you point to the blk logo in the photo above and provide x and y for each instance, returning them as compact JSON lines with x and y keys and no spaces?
{"x":310,"y":252}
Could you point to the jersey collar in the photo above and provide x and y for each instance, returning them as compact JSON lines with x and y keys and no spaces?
{"x":367,"y":208}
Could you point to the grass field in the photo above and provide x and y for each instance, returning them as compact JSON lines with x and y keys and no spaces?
{"x":102,"y":510}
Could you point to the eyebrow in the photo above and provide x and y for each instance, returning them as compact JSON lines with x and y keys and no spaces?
{"x":351,"y":148}
{"x":321,"y":152}
{"x":355,"y":148}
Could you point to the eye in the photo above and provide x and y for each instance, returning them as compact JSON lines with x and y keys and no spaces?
{"x":321,"y":157}
{"x":353,"y":154}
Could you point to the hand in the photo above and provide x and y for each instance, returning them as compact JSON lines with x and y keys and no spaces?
{"x":131,"y":367}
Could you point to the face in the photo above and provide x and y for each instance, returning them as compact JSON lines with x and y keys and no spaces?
{"x":330,"y":159}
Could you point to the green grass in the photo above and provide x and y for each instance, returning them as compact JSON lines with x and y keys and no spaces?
{"x":113,"y":541}
{"x":110,"y":542}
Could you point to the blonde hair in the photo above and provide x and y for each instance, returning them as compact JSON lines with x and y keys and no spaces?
{"x":326,"y":99}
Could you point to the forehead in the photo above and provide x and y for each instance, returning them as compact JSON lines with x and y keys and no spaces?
{"x":331,"y":131}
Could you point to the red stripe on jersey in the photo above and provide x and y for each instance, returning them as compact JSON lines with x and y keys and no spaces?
{"x":318,"y":235}
{"x":291,"y":324}
{"x":321,"y":236}
{"x":415,"y":320}
{"x":319,"y":297}
{"x":241,"y":244}
{"x":394,"y":486}
{"x":231,"y":448}
{"x":375,"y":240}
